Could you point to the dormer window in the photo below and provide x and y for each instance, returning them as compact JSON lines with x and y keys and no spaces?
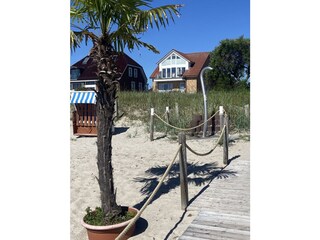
{"x":75,"y":73}
{"x":85,"y":60}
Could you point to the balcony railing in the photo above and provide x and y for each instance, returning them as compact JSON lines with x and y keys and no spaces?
{"x":171,"y":76}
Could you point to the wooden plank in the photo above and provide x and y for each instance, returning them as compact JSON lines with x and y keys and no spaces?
{"x":85,"y":115}
{"x":224,"y":224}
{"x":90,"y":123}
{"x":211,"y":214}
{"x":80,"y":111}
{"x":227,"y":209}
{"x":206,"y":228}
{"x":77,"y":117}
{"x":206,"y":232}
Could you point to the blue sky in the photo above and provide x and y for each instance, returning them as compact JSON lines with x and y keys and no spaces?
{"x":202,"y":25}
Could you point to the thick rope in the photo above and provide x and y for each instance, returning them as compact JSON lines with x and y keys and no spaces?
{"x":150,"y":198}
{"x":185,"y":129}
{"x":207,"y":153}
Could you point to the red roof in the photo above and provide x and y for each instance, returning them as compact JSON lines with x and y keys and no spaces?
{"x":198,"y":61}
{"x":89,"y":68}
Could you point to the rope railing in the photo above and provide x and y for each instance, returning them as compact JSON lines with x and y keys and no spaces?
{"x":183,"y":165}
{"x":136,"y":217}
{"x":184,"y":129}
{"x":214,"y":147}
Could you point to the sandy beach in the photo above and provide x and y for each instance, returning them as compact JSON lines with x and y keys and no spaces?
{"x":138,"y":165}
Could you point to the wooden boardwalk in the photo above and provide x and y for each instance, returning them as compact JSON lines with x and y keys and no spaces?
{"x":224,"y":207}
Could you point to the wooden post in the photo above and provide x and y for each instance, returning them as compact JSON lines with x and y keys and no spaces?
{"x":167,"y":119}
{"x":221,"y":122}
{"x":225,"y":141}
{"x":246,"y":110}
{"x":151,"y":124}
{"x":177,"y":109}
{"x":226,"y":122}
{"x":183,"y":171}
{"x":221,"y":117}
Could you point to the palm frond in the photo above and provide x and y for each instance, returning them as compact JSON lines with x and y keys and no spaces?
{"x":122,"y":21}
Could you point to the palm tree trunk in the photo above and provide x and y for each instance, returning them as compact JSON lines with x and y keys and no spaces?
{"x":106,"y":94}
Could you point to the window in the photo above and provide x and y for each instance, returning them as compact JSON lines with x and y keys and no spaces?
{"x":75,"y":73}
{"x":173,"y":70}
{"x":91,"y":84}
{"x":181,"y":70}
{"x":140,"y":86}
{"x":164,"y":73}
{"x":130,"y":71}
{"x":165,"y":87}
{"x":182,"y":86}
{"x":168,"y":73}
{"x":76,"y":86}
{"x":135,"y":73}
{"x":133,"y":85}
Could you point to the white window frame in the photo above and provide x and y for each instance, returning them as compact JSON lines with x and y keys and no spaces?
{"x":135,"y":73}
{"x":130,"y":71}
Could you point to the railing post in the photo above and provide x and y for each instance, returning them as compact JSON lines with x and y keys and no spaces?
{"x":221,"y":122}
{"x":221,"y":117}
{"x":225,"y":141}
{"x":177,"y":109}
{"x":167,"y":118}
{"x":247,"y":110}
{"x":183,"y":171}
{"x":151,"y":124}
{"x":226,"y":121}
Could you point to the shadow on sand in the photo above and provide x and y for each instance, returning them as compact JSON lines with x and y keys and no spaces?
{"x":119,"y":130}
{"x":198,"y":174}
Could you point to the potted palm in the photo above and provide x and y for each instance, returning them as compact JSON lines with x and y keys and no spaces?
{"x":112,"y":26}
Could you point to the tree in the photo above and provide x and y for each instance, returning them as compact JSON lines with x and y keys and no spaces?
{"x":112,"y":26}
{"x":231,"y":64}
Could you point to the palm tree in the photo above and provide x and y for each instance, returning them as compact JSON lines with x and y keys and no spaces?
{"x":112,"y":26}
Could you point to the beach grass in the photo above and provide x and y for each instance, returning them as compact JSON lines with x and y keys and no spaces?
{"x":137,"y":105}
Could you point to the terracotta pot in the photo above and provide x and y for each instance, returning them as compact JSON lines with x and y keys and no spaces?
{"x":109,"y":232}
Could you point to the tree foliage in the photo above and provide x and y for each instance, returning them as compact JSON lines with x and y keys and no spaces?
{"x":231,"y":64}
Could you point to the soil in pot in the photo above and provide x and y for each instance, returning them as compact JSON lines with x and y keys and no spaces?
{"x":110,"y":232}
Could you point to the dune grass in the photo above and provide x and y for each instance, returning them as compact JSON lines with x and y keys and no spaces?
{"x":137,"y":105}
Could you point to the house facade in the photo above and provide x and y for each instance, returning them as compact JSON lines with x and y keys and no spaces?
{"x":83,"y":74}
{"x":178,"y":71}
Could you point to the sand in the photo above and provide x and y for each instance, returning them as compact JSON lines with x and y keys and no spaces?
{"x":138,"y":165}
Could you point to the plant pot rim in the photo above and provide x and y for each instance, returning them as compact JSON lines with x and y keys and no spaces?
{"x":107,"y":227}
